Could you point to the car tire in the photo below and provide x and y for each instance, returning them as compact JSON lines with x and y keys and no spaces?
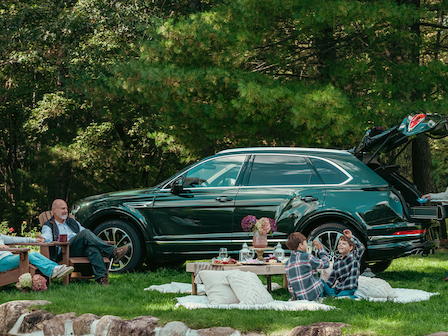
{"x":329,"y":234}
{"x":122,"y":233}
{"x":380,"y":266}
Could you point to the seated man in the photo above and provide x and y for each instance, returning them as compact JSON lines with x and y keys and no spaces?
{"x":82,"y":241}
{"x":49,"y":268}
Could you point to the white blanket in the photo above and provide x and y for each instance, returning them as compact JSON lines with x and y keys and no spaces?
{"x":196,"y":301}
{"x":179,"y":287}
{"x":405,"y":295}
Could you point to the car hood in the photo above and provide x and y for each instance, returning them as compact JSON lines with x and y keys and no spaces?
{"x":379,"y":139}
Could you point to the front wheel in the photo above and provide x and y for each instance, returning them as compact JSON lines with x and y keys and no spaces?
{"x":122,"y":233}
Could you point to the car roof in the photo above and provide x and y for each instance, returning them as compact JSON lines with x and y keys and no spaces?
{"x":284,"y":150}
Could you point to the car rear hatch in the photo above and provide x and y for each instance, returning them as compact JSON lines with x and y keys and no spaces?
{"x":379,"y":140}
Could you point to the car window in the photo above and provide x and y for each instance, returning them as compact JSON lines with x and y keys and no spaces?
{"x":218,"y":172}
{"x":329,"y":173}
{"x":281,"y":170}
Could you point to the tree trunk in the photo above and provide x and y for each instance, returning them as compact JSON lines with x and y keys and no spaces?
{"x":421,"y":162}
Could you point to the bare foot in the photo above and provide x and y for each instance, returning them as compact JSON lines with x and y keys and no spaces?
{"x":446,"y":279}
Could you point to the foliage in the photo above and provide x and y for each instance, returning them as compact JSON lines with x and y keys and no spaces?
{"x":364,"y":318}
{"x":100,"y":95}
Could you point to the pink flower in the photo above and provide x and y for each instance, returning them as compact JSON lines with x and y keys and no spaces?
{"x":39,"y":283}
{"x":263,"y":225}
{"x":11,"y":229}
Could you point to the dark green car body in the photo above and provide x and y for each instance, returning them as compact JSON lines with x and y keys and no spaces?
{"x":318,"y":192}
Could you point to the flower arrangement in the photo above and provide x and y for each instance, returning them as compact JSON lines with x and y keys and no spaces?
{"x":36,"y":283}
{"x":263,"y":225}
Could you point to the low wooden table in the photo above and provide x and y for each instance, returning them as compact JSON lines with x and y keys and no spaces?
{"x":266,"y":269}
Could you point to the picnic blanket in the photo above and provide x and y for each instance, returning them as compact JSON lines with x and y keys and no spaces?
{"x":201,"y":301}
{"x":405,"y":295}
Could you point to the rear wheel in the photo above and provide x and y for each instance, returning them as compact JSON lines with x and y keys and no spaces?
{"x":329,"y":234}
{"x":122,"y":233}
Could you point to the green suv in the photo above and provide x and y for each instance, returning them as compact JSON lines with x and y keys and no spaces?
{"x":319,"y":192}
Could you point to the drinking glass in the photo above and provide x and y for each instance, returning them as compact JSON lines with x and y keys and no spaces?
{"x":222,"y":253}
{"x":251,"y":253}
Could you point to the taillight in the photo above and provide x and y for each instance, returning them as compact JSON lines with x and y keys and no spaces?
{"x":410,"y":232}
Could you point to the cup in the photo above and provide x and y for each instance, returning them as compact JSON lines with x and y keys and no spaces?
{"x":62,"y":238}
{"x":251,"y":253}
{"x":223,"y":252}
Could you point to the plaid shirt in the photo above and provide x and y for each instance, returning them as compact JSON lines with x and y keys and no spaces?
{"x":302,"y":283}
{"x":346,"y":269}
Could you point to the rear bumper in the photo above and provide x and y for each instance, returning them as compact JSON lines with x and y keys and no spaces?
{"x":390,"y":247}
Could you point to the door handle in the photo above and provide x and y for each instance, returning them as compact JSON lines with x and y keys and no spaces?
{"x":223,"y":199}
{"x":308,"y":198}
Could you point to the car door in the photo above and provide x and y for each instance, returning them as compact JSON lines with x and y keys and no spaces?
{"x":198,"y":220}
{"x":279,"y":186}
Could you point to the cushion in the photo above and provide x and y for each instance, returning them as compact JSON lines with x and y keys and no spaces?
{"x":217,"y":292}
{"x":248,"y":288}
{"x":376,"y":287}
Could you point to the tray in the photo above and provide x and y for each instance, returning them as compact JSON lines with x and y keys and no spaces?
{"x":216,"y":264}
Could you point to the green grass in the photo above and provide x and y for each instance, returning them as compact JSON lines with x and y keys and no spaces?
{"x":126,"y":298}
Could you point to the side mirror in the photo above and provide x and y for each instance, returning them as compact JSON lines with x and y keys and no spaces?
{"x":178,"y":186}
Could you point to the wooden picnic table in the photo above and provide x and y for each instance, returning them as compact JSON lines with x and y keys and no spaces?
{"x":265,"y":269}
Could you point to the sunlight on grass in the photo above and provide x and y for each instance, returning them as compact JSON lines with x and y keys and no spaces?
{"x":126,"y":298}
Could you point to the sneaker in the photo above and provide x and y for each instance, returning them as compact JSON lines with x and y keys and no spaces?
{"x":66,"y":271}
{"x":61,"y":271}
{"x":119,"y":252}
{"x":103,"y":281}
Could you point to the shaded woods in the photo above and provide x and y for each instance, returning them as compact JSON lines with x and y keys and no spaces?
{"x":100,"y":95}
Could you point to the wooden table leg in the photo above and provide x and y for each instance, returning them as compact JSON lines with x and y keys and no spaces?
{"x":194,"y":287}
{"x":285,"y":281}
{"x":269,"y":284}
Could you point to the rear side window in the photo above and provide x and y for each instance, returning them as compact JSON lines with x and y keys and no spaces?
{"x":328,"y":173}
{"x":281,"y":170}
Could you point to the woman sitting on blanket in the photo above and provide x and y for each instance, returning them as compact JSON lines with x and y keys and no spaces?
{"x":47,"y":267}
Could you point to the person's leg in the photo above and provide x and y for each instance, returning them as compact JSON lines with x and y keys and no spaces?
{"x":9,"y":262}
{"x":327,"y":290}
{"x":96,"y":259}
{"x":347,"y":292}
{"x":87,"y":238}
{"x":44,"y":264}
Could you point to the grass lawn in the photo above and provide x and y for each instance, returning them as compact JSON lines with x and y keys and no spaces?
{"x":125,"y":297}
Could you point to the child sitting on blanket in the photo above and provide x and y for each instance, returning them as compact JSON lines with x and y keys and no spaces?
{"x":303,"y":283}
{"x":346,"y":269}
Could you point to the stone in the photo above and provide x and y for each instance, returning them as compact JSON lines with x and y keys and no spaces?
{"x":34,"y":321}
{"x":218,"y":331}
{"x":139,"y":326}
{"x":319,"y":329}
{"x":59,"y":324}
{"x":103,"y":324}
{"x":83,"y":323}
{"x":174,"y":328}
{"x":440,"y":333}
{"x":11,"y":311}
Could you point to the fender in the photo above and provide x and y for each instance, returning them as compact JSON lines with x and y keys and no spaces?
{"x":115,"y":213}
{"x":309,"y":223}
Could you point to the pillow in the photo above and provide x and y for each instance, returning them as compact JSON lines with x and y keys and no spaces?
{"x":247,"y":287}
{"x":326,"y":272}
{"x":216,"y":291}
{"x":375,"y":287}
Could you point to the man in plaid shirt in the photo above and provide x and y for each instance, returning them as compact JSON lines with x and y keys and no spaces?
{"x":346,"y":269}
{"x":303,"y":284}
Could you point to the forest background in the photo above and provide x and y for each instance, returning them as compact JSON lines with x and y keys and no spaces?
{"x":104,"y":95}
